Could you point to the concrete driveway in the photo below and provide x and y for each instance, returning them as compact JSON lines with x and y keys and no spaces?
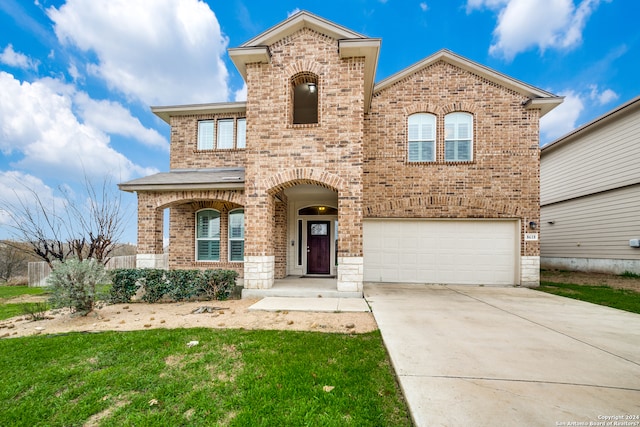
{"x":487,"y":356}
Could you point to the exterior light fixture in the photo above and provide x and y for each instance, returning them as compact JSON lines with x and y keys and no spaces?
{"x":321,"y":208}
{"x":312,"y":87}
{"x":533,"y":225}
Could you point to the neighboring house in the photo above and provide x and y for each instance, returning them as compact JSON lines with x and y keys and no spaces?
{"x":431,"y":175}
{"x":590,"y":195}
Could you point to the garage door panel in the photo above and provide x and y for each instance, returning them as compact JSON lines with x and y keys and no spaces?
{"x":434,"y":251}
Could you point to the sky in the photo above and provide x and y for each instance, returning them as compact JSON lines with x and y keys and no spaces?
{"x":78,"y":77}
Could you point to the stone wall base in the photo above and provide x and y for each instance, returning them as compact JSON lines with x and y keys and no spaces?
{"x":259,"y":272}
{"x":350,"y":274}
{"x":530,"y":271}
{"x":160,"y":261}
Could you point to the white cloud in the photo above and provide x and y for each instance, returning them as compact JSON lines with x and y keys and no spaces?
{"x":545,"y":24}
{"x":15,"y":59}
{"x":562,"y":119}
{"x":241,"y":94}
{"x":157,"y":51}
{"x":17,"y":188}
{"x":113,"y":118}
{"x":37,"y":121}
{"x":424,"y":6}
{"x":604,"y":97}
{"x":293,"y":12}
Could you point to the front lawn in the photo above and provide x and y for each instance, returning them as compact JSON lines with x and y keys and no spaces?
{"x":14,"y":291}
{"x":623,"y":299}
{"x":231,"y":377}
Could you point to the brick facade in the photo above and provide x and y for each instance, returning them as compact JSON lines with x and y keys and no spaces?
{"x":502,"y":181}
{"x":357,"y":149}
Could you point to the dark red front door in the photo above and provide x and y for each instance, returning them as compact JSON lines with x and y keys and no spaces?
{"x":318,"y":247}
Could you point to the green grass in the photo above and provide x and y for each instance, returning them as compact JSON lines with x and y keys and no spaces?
{"x":233,"y":377}
{"x":14,"y":291}
{"x":622,"y":299}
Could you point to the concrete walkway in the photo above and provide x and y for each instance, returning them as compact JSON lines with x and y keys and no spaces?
{"x":482,"y":356}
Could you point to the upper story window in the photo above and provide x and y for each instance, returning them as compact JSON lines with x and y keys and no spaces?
{"x":458,"y":138}
{"x":305,"y":98}
{"x":421,"y":145}
{"x":222,"y":134}
{"x":241,"y":140}
{"x":208,"y":235}
{"x":206,"y":130}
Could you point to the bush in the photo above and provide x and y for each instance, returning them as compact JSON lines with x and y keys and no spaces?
{"x":124,"y":284}
{"x":155,"y":284}
{"x":178,"y":285}
{"x":74,"y":284}
{"x":217,"y":284}
{"x":183,"y":284}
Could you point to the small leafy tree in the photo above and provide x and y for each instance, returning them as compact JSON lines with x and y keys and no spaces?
{"x":74,"y":284}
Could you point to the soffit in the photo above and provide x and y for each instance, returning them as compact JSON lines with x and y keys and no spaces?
{"x":538,"y":98}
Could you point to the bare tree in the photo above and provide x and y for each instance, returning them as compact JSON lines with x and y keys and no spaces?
{"x":14,"y":258}
{"x":83,"y":229}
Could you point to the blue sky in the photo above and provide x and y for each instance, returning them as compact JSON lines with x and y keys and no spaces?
{"x":77,"y":77}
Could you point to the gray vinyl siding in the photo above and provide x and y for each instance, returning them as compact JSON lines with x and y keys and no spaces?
{"x":601,"y":224}
{"x":603,"y":158}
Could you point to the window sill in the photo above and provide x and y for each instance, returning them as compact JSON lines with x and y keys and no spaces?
{"x":303,"y":125}
{"x":440,"y":163}
{"x":218,"y":150}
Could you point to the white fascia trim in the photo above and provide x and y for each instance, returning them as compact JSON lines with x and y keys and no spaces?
{"x":241,"y":56}
{"x":166,"y":112}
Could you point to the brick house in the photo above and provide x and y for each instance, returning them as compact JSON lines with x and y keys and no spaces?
{"x":431,"y":175}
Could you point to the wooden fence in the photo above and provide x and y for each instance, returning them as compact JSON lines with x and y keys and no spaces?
{"x":39,"y":271}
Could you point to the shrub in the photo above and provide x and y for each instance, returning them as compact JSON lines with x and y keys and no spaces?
{"x":124,"y":284}
{"x":217,"y":284}
{"x":74,"y":284}
{"x":183,"y":284}
{"x":35,"y":310}
{"x":155,"y":284}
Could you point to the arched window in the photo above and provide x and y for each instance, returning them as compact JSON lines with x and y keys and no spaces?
{"x":421,"y":145}
{"x":305,"y":98}
{"x":208,"y":235}
{"x":236,"y":235}
{"x":458,"y":137}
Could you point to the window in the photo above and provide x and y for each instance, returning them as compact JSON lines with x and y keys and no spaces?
{"x":305,"y":98}
{"x":241,"y":141}
{"x":422,"y":138}
{"x":458,"y":139}
{"x":236,"y":235}
{"x":205,"y":134}
{"x":208,"y":235}
{"x":225,"y":134}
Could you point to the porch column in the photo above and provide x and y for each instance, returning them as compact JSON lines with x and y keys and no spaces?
{"x":150,"y":229}
{"x":259,"y":254}
{"x":350,"y":260}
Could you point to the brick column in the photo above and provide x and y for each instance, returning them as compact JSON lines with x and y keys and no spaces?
{"x":150,"y":229}
{"x":259,"y":255}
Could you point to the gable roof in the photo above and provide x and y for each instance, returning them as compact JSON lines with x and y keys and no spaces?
{"x":603,"y":120}
{"x":538,"y":98}
{"x":350,"y":44}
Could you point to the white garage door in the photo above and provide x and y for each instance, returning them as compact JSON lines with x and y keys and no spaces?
{"x":438,"y":251}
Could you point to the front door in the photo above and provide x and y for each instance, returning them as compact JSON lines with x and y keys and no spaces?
{"x":318,"y":247}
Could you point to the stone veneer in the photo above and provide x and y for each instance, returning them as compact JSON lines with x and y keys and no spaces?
{"x":530,"y":271}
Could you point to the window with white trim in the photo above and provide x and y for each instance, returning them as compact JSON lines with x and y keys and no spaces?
{"x":421,"y":144}
{"x":236,"y":235}
{"x":225,"y":134}
{"x":208,"y":235}
{"x":241,"y":138}
{"x":458,"y":137}
{"x":206,"y":130}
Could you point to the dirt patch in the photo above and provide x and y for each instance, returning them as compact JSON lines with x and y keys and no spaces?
{"x":230,"y":314}
{"x":593,"y":279}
